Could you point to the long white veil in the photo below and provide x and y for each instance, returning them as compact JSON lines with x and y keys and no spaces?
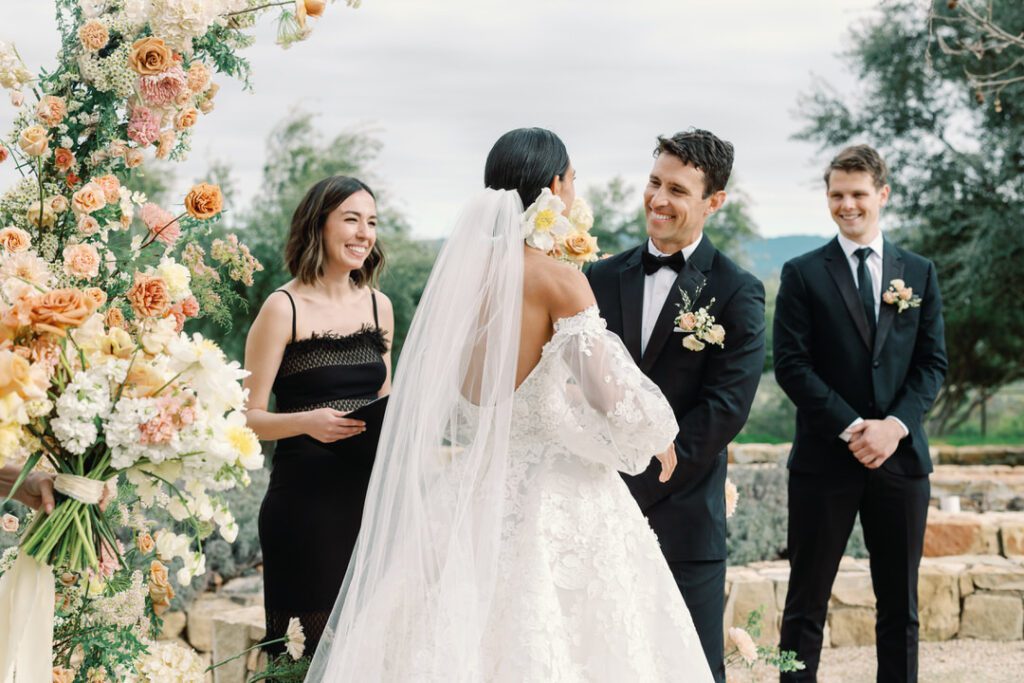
{"x":415,"y":601}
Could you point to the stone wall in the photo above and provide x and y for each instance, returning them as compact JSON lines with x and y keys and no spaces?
{"x":751,"y":453}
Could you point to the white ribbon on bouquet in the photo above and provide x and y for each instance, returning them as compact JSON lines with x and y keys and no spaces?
{"x":27,"y":598}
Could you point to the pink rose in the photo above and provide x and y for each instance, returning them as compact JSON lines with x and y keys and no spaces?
{"x":87,"y":225}
{"x":9,"y":523}
{"x":889,"y":297}
{"x":906,"y":293}
{"x":687,"y":321}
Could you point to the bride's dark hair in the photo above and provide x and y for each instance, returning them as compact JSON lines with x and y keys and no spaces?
{"x":526,"y":160}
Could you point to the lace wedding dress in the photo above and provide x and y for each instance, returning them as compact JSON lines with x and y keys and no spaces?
{"x":498,"y":541}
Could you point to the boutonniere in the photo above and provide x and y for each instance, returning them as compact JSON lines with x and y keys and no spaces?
{"x":901,"y":296}
{"x":698,"y":325}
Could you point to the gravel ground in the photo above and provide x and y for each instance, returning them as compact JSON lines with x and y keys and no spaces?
{"x":954,"y":661}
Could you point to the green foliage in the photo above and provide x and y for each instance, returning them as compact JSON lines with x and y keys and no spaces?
{"x":619,"y":221}
{"x":958,"y":189}
{"x":282,"y":669}
{"x":772,"y":416}
{"x":771,"y":656}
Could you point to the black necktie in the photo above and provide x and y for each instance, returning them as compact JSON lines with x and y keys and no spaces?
{"x":867,"y":293}
{"x":652,"y":264}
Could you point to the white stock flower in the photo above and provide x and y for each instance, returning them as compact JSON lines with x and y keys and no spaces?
{"x":543,"y":221}
{"x":170,"y":545}
{"x":13,"y":74}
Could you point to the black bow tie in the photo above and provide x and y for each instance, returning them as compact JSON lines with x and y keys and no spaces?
{"x":652,"y":264}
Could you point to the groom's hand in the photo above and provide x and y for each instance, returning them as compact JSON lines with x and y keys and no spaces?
{"x":668,"y":463}
{"x":872,"y":442}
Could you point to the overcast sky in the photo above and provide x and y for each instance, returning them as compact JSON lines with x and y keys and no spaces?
{"x":439,"y":80}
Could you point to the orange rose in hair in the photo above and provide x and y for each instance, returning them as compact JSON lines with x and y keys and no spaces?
{"x":204,"y":201}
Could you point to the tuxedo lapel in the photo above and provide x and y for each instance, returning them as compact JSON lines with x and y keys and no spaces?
{"x":839,"y":269}
{"x":631,"y":293}
{"x":892,"y":268}
{"x":693,"y":275}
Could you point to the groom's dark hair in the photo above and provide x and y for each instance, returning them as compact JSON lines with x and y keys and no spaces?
{"x":526,"y":160}
{"x":702,"y":150}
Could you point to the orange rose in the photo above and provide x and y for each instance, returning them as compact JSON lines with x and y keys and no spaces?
{"x":186,"y":118}
{"x":687,"y":321}
{"x":111,"y":187}
{"x":580,"y":246}
{"x":51,"y":110}
{"x":62,"y":675}
{"x":89,"y":199}
{"x":144,"y":542}
{"x":34,"y":141}
{"x":149,"y":296}
{"x":14,"y":240}
{"x":58,"y":203}
{"x":198,"y":77}
{"x":93,"y":35}
{"x":63,"y":159}
{"x":165,"y":144}
{"x":204,"y":201}
{"x":115,"y":318}
{"x":160,"y":591}
{"x":59,"y":309}
{"x":133,"y":157}
{"x":3,"y":154}
{"x":150,"y":56}
{"x":95,"y":296}
{"x":81,"y":260}
{"x":315,"y":8}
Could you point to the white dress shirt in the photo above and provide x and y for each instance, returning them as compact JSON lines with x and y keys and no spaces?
{"x":874,"y":264}
{"x":657,"y":287}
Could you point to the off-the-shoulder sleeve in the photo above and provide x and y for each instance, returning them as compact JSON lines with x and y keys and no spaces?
{"x":613,"y":413}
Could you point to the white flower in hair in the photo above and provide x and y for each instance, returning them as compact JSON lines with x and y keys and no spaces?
{"x":543,"y":222}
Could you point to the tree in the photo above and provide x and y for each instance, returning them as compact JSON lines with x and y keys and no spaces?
{"x":619,"y":221}
{"x":956,"y":171}
{"x":295,"y":161}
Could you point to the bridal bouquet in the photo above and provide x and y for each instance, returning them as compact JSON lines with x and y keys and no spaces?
{"x":97,"y":377}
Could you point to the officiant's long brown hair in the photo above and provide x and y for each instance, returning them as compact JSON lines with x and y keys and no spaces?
{"x":304,"y":253}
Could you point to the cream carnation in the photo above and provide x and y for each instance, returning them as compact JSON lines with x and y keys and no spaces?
{"x":81,"y":261}
{"x":744,"y":644}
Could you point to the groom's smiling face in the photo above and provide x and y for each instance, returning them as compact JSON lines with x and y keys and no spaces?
{"x":855,"y":202}
{"x":675,"y":205}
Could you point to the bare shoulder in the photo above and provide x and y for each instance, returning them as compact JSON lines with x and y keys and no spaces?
{"x":277,"y":308}
{"x":565,"y":288}
{"x":382,"y":300}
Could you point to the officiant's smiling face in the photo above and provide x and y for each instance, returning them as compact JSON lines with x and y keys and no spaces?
{"x":855,"y":201}
{"x":350,"y":231}
{"x":675,"y":205}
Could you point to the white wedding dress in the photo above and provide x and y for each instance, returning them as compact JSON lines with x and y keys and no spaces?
{"x":499,"y":542}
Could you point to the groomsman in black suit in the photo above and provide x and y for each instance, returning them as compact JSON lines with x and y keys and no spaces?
{"x":710,"y":390}
{"x":859,"y":348}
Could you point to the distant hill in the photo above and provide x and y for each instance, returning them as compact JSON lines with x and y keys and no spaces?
{"x":765,"y":256}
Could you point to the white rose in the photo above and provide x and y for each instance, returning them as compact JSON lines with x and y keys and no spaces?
{"x":9,"y":523}
{"x":177,"y":278}
{"x":170,"y":545}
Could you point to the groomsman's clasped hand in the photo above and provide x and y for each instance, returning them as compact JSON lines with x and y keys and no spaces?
{"x":872,"y":442}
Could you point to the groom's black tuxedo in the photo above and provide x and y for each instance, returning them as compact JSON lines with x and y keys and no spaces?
{"x":710,"y":392}
{"x":835,"y":370}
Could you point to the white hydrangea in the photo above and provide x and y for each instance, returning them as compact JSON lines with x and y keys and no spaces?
{"x":178,"y":22}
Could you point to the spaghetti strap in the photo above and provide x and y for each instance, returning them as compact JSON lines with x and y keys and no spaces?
{"x":373,"y":298}
{"x":292,"y":302}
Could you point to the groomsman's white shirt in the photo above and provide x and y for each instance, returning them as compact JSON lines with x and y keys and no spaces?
{"x":874,"y":264}
{"x":657,"y":287}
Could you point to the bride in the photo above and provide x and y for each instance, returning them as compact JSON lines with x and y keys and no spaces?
{"x":498,"y":541}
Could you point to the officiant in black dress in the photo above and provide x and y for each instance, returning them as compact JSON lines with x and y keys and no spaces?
{"x":321,"y":344}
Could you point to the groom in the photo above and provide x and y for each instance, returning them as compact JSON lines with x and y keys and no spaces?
{"x":639,"y":293}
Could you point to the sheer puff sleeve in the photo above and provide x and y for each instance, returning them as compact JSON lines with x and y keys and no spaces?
{"x":611,"y":413}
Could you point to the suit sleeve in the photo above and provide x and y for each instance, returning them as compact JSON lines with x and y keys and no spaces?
{"x":928,"y":365}
{"x":731,"y":376}
{"x":828,"y":412}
